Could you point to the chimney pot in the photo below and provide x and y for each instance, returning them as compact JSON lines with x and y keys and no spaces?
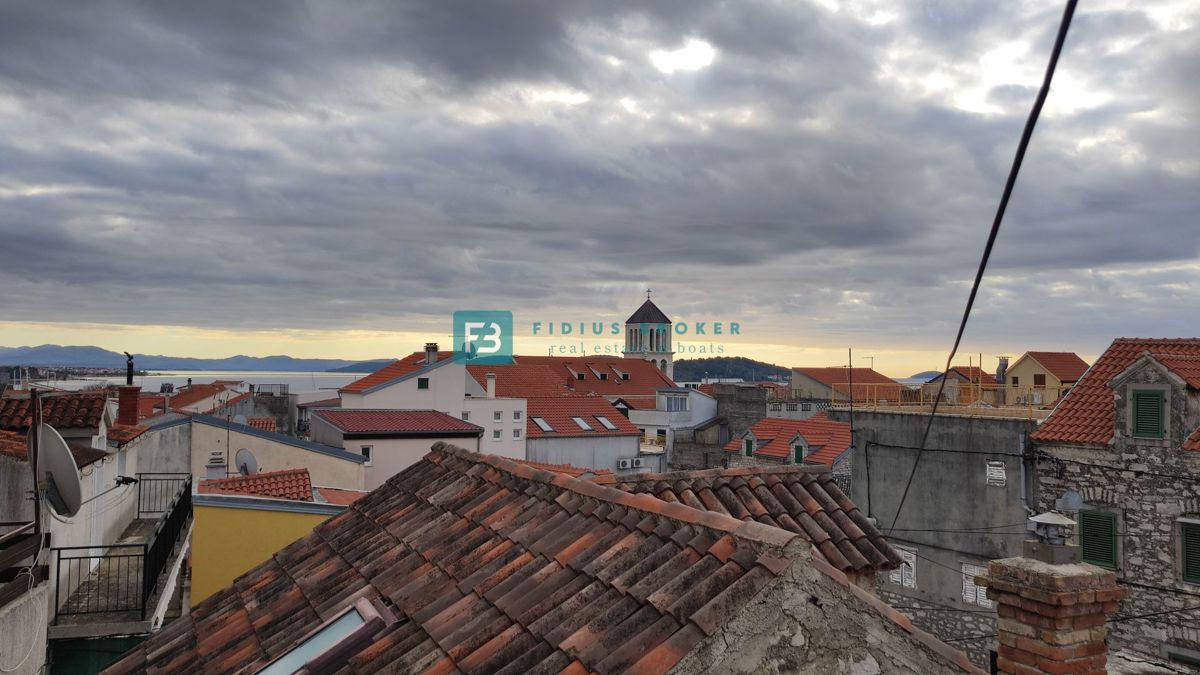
{"x":431,"y":352}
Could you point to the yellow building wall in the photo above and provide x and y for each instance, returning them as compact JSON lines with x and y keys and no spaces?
{"x":1025,"y":390}
{"x":227,"y":542}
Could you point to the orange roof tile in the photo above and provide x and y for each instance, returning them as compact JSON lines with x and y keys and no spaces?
{"x":495,"y":564}
{"x":570,"y":470}
{"x":263,"y":423}
{"x":123,"y":434}
{"x":773,"y":435}
{"x":75,"y":410}
{"x":287,"y":484}
{"x":409,"y":364}
{"x":868,"y":383}
{"x":195,"y":393}
{"x":222,"y":403}
{"x":396,"y":421}
{"x":1086,"y":414}
{"x":14,"y":444}
{"x":522,"y":380}
{"x":972,"y":374}
{"x":1066,"y":366}
{"x":339,"y":496}
{"x":559,"y":411}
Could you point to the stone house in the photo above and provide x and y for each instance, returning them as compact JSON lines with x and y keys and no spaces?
{"x":774,"y":440}
{"x":1122,"y":452}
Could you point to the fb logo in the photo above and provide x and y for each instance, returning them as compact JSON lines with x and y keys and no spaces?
{"x":483,"y":336}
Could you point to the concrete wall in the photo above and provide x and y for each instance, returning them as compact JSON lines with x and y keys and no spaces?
{"x":1148,"y":508}
{"x":950,"y":491}
{"x":274,"y":452}
{"x":740,"y":405}
{"x":23,"y":631}
{"x":390,"y":456}
{"x":795,"y":409}
{"x":593,"y":452}
{"x":804,"y":387}
{"x":701,"y":447}
{"x":232,"y":536}
{"x":167,"y":446}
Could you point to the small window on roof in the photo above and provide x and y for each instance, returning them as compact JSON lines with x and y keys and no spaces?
{"x":583,"y":424}
{"x":604,"y":376}
{"x":579,"y":376}
{"x":624,"y":376}
{"x":542,"y":424}
{"x":606,"y":423}
{"x":331,"y":644}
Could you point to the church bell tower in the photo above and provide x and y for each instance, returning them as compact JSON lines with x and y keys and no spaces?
{"x":648,"y":337}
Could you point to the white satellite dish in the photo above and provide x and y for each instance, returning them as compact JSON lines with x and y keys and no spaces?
{"x":246,"y":464}
{"x":239,"y":419}
{"x":57,"y":464}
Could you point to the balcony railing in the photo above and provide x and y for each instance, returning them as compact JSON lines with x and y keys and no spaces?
{"x":957,"y":397}
{"x":124,"y":577}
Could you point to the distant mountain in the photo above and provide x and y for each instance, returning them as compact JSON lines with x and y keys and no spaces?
{"x":95,"y":357}
{"x":693,"y":370}
{"x":926,"y":375}
{"x":363,"y":366}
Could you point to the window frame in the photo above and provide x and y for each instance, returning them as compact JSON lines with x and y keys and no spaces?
{"x":377,"y":618}
{"x":1186,"y":524}
{"x":748,"y":446}
{"x":581,"y":423}
{"x":1112,"y":515}
{"x":466,"y":415}
{"x":1140,"y":394}
{"x":542,"y":424}
{"x":497,"y":415}
{"x":369,"y":455}
{"x":423,"y":383}
{"x":497,"y":434}
{"x":516,"y":415}
{"x":516,"y":434}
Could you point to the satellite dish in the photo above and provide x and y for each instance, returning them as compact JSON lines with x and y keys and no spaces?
{"x":240,"y":419}
{"x":246,"y":464}
{"x":62,"y":475}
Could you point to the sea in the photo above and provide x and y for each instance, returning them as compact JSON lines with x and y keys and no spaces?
{"x":298,"y":383}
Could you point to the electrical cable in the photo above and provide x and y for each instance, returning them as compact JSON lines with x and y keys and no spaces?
{"x":1026,"y":135}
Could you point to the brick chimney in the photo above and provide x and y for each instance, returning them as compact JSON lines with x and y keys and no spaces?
{"x":127,"y":405}
{"x":1052,"y":618}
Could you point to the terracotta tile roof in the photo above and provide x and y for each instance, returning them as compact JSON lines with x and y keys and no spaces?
{"x":706,"y":388}
{"x":972,"y":374}
{"x":77,"y":410}
{"x":187,"y":396}
{"x":1066,"y":366}
{"x":150,"y":405}
{"x":558,"y":412}
{"x":1192,"y":442}
{"x":123,"y":434}
{"x":570,"y":470}
{"x":13,"y":444}
{"x":409,"y":364}
{"x":339,"y":496}
{"x":639,"y":402}
{"x":868,"y":383}
{"x":522,"y":380}
{"x":395,"y":421}
{"x":223,"y":403}
{"x":496,"y":565}
{"x":264,"y":423}
{"x":801,"y":499}
{"x":1186,"y":366}
{"x":287,"y":484}
{"x":323,"y":403}
{"x":826,"y":439}
{"x":645,"y":379}
{"x":1086,"y":413}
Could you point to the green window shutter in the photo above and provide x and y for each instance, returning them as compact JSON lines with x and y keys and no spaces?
{"x":1098,"y":538}
{"x":1148,"y":414}
{"x":422,"y":383}
{"x":1190,"y":533}
{"x":799,"y":454}
{"x":749,"y":447}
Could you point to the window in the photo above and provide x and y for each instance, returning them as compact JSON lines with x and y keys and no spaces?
{"x":660,"y":437}
{"x":606,"y":423}
{"x":1039,"y":379}
{"x":495,"y":434}
{"x":583,"y":424}
{"x":1189,"y":545}
{"x":335,"y":641}
{"x":906,"y":574}
{"x":799,"y":449}
{"x":1098,"y":538}
{"x":542,"y":424}
{"x":466,"y":415}
{"x":365,"y":450}
{"x":776,"y":407}
{"x":516,"y":433}
{"x":603,"y":376}
{"x":749,"y":447}
{"x":624,"y":376}
{"x":422,"y":383}
{"x":516,"y":415}
{"x":579,"y":376}
{"x":497,"y":415}
{"x":1015,"y":380}
{"x":806,"y":406}
{"x":791,"y":407}
{"x":973,"y":594}
{"x":1148,"y":414}
{"x":676,"y":403}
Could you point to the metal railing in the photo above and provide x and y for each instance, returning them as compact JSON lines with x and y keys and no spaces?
{"x":957,"y":397}
{"x":123,"y":577}
{"x":157,"y":490}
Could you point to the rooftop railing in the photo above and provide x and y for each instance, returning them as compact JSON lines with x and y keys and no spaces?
{"x":957,"y":397}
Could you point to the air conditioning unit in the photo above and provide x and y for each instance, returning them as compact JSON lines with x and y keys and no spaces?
{"x":638,"y":462}
{"x":624,"y":463}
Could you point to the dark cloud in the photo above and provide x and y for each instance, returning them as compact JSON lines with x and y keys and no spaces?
{"x":831,"y":173}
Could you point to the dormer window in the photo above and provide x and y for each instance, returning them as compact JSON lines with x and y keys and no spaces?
{"x":1147,"y":414}
{"x":580,"y":376}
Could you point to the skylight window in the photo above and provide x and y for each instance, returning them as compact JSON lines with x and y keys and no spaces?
{"x":542,"y":424}
{"x":331,"y":644}
{"x":583,"y":424}
{"x":604,"y":421}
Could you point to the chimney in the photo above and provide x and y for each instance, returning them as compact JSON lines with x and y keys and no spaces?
{"x":189,"y":384}
{"x":128,"y":369}
{"x":431,"y":351}
{"x":1001,"y":373}
{"x":1052,"y":616}
{"x":491,"y":385}
{"x":127,"y":405}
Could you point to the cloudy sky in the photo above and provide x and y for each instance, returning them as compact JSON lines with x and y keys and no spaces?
{"x":334,"y":179}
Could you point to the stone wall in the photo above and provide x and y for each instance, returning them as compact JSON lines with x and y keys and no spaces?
{"x":1150,"y":484}
{"x":946,"y":623}
{"x":740,"y":405}
{"x":701,"y":447}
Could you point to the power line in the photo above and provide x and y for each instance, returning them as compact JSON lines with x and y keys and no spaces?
{"x":1022,"y":146}
{"x":947,"y":450}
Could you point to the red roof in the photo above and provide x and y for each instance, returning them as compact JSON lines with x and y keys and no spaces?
{"x":972,"y":374}
{"x":838,"y":379}
{"x":323,"y":403}
{"x":409,"y":364}
{"x":559,"y":411}
{"x":570,"y":470}
{"x":15,"y":445}
{"x":644,"y":377}
{"x":150,"y":405}
{"x":123,"y":434}
{"x":287,"y":484}
{"x":1086,"y":413}
{"x":1066,"y":366}
{"x":76,"y":410}
{"x":263,"y":423}
{"x":522,"y":380}
{"x":1192,"y":442}
{"x":773,"y":438}
{"x":338,"y":496}
{"x":395,"y":421}
{"x":195,"y":393}
{"x":223,"y":403}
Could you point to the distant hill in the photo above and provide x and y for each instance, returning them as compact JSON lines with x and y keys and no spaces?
{"x":363,"y":366}
{"x":926,"y":375}
{"x":693,"y":370}
{"x":95,"y":357}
